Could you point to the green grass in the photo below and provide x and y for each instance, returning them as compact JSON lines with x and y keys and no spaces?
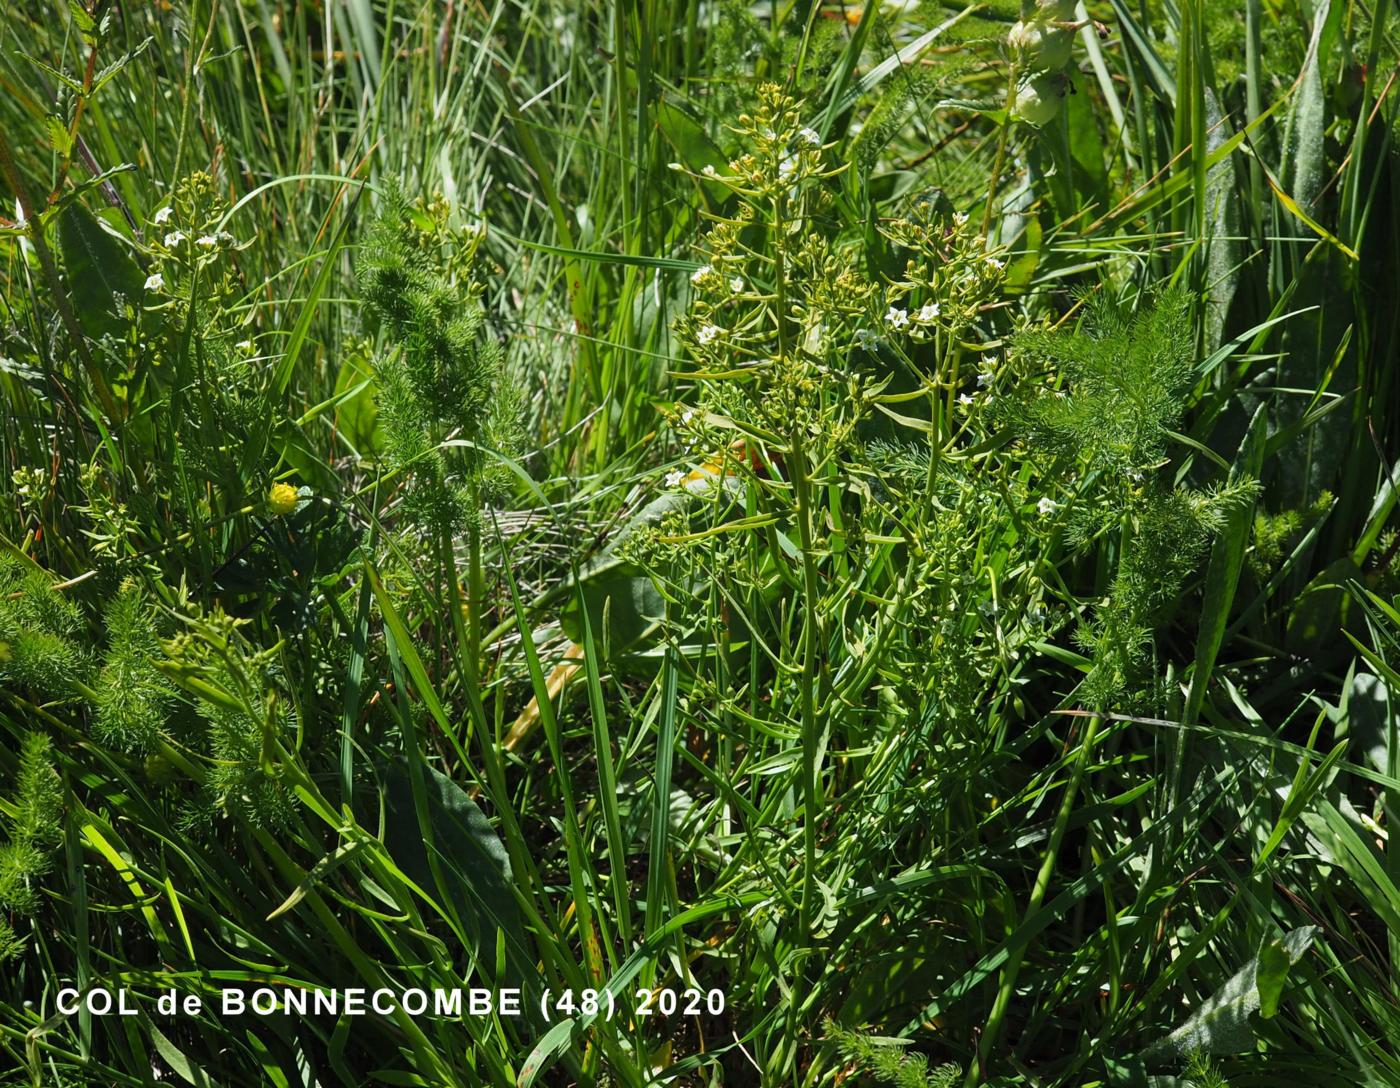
{"x":625,"y":498}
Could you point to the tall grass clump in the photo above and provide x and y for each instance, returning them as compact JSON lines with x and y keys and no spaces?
{"x":816,"y":544}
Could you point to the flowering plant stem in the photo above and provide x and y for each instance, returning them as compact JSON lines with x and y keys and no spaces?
{"x":811,"y":734}
{"x":1003,"y":137}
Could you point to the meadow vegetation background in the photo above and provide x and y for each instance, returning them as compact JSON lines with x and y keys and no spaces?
{"x":885,"y":513}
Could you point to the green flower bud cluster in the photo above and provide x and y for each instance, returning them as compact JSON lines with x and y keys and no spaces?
{"x":1041,"y":43}
{"x":775,"y":305}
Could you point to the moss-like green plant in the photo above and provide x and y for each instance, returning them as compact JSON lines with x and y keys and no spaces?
{"x":130,"y":695}
{"x":887,"y":1061}
{"x":1099,"y":405}
{"x":33,"y":834}
{"x":444,"y":380}
{"x":38,"y":632}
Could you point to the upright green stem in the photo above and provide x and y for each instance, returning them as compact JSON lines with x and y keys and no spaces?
{"x":811,"y":799}
{"x":191,"y":54}
{"x":1042,"y":884}
{"x":1003,"y":138}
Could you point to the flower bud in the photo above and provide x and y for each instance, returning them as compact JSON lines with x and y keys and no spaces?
{"x":1038,"y":100}
{"x":1044,"y":48}
{"x":282,"y":499}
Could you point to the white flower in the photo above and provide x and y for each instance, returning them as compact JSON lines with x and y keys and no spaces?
{"x":708,"y":334}
{"x":965,"y":399}
{"x":1046,"y":506}
{"x":227,"y":238}
{"x":927,"y":313}
{"x":700,"y":273}
{"x":244,"y":345}
{"x":787,"y":167}
{"x":896,"y":318}
{"x":994,"y":262}
{"x":206,"y":241}
{"x":709,"y":171}
{"x":984,"y":379}
{"x":174,"y":238}
{"x":687,"y":415}
{"x":960,"y":219}
{"x":811,"y":136}
{"x":155,"y":282}
{"x":867,"y":338}
{"x":736,"y":284}
{"x":162,"y":215}
{"x":673,"y":479}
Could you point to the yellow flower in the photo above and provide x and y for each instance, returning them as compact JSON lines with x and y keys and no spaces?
{"x":282,"y":499}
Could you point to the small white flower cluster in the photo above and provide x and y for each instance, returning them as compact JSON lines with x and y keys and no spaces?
{"x":176,"y":238}
{"x":985,"y":377}
{"x":708,"y":278}
{"x":987,"y":374}
{"x":897,"y":318}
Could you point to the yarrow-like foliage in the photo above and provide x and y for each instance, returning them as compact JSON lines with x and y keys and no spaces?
{"x":38,"y":632}
{"x":131,"y":696}
{"x":1125,"y":375}
{"x":1101,"y":403}
{"x":247,"y":720}
{"x":887,"y":1061}
{"x":445,"y":379}
{"x":34,"y":832}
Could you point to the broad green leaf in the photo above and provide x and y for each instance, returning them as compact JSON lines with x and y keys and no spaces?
{"x":1220,"y":1025}
{"x":1270,"y":974}
{"x":98,"y":272}
{"x":475,"y":869}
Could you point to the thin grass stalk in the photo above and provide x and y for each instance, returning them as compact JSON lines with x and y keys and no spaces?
{"x":1006,"y":991}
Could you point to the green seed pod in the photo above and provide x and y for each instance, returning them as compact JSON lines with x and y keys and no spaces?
{"x":1038,"y":100}
{"x":1042,"y":47}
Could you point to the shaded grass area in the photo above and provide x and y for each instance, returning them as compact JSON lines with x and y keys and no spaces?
{"x":881,"y":519}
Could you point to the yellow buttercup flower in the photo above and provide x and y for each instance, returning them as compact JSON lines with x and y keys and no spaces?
{"x":282,"y":499}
